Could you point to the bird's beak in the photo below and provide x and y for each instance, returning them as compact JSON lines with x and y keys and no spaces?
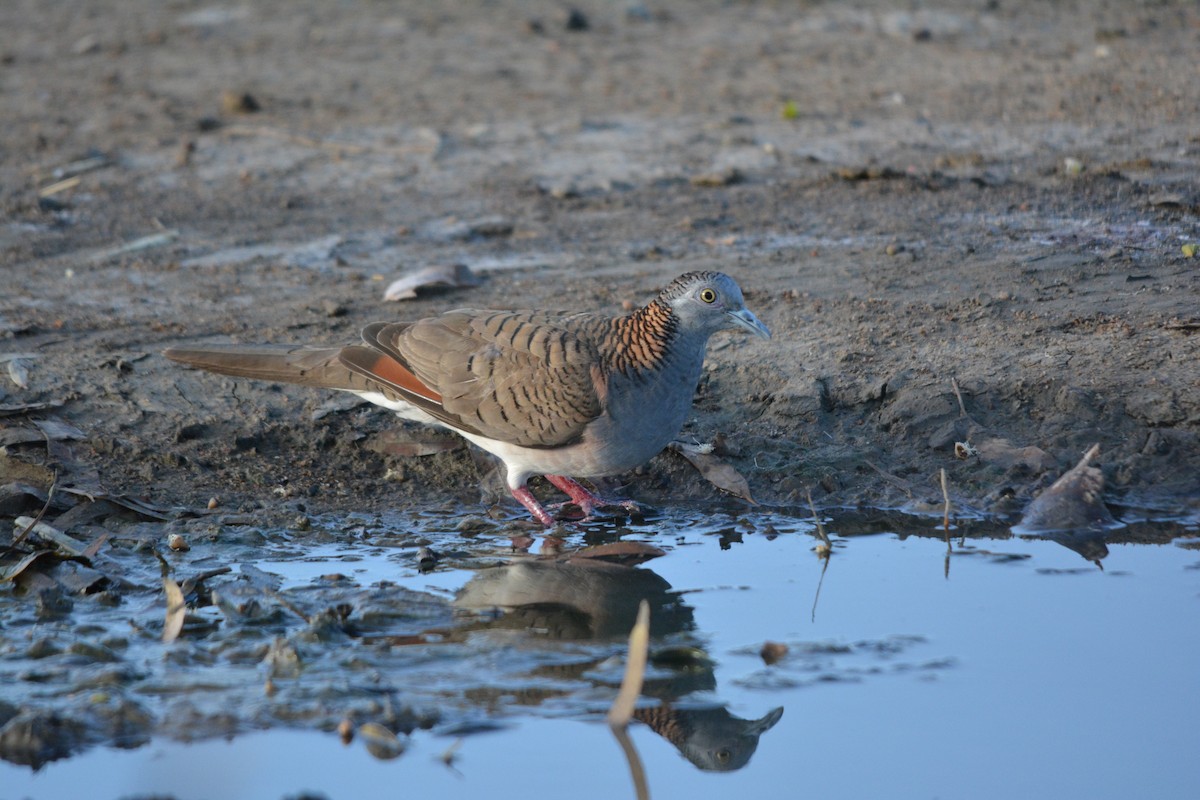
{"x":743,"y":318}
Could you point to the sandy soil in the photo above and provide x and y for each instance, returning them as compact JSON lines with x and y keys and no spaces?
{"x":965,"y":223}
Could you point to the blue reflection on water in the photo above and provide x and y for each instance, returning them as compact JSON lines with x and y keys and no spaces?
{"x":997,"y":667}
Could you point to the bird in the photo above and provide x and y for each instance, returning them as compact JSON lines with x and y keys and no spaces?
{"x":564,"y":394}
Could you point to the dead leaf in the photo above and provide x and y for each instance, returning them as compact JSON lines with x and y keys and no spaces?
{"x":20,"y":435}
{"x":441,"y":276}
{"x":12,"y":571}
{"x":1073,"y":502}
{"x":626,"y":553}
{"x":57,"y":430}
{"x":16,"y":497}
{"x":25,"y":408}
{"x":715,"y":471}
{"x":134,"y":504}
{"x":380,"y":742}
{"x":18,"y":373}
{"x":79,"y":579}
{"x":176,"y":611}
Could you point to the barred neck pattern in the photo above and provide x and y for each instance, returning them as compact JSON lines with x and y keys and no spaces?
{"x":641,"y":341}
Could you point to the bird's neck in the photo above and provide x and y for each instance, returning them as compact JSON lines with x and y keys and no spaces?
{"x":644,"y":340}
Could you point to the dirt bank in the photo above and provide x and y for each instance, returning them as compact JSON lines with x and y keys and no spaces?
{"x":968,"y":224}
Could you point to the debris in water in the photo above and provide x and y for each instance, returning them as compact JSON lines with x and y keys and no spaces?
{"x":773,"y":651}
{"x":1074,"y":501}
{"x":176,"y":611}
{"x":715,"y":471}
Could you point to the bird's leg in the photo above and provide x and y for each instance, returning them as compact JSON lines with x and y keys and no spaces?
{"x":587,"y":501}
{"x":526,"y":498}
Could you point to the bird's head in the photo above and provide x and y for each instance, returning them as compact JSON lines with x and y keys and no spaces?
{"x":709,"y":302}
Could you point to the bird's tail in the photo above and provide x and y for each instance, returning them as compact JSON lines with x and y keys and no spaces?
{"x":285,"y":363}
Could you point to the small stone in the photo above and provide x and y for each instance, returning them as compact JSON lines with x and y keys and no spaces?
{"x":725,"y":177}
{"x":239,"y":103}
{"x":576,"y":20}
{"x":86,"y":45}
{"x":183,"y":157}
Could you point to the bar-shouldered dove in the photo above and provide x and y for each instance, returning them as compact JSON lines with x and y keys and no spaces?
{"x":563,"y":394}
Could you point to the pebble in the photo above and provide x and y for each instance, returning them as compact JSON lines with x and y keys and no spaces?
{"x":239,"y":102}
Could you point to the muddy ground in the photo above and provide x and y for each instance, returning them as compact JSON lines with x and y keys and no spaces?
{"x":970,"y":226}
{"x":965,"y":222}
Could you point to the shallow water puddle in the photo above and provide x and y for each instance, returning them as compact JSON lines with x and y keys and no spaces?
{"x":989,"y":666}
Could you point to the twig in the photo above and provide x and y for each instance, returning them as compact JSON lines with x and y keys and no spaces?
{"x":824,"y":551}
{"x":946,"y":497}
{"x":631,"y":686}
{"x":820,"y":527}
{"x":820,"y":583}
{"x":33,"y":524}
{"x":59,"y":186}
{"x":962,"y":408}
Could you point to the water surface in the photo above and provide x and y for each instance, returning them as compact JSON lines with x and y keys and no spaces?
{"x":990,"y":666}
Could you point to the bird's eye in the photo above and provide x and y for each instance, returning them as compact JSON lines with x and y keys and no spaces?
{"x":708,"y":295}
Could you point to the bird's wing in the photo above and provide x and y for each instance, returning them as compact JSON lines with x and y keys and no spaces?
{"x":528,"y":378}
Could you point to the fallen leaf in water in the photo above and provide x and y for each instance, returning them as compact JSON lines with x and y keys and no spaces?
{"x":441,"y":276}
{"x":380,"y":742}
{"x":627,"y":553}
{"x":176,"y":610}
{"x":1074,"y":501}
{"x":715,"y":471}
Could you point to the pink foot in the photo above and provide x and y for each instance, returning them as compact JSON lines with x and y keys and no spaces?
{"x":526,"y":498}
{"x":587,"y":501}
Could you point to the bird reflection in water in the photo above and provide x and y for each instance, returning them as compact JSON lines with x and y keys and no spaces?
{"x":587,"y":598}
